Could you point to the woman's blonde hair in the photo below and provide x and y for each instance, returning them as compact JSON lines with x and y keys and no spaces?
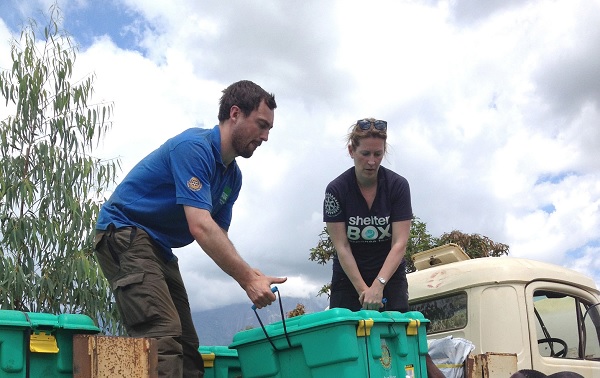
{"x":356,"y":134}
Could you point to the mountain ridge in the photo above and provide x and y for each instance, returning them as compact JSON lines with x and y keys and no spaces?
{"x":218,"y":326}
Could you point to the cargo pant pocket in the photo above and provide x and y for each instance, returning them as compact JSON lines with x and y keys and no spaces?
{"x":134,"y":300}
{"x":109,"y":246}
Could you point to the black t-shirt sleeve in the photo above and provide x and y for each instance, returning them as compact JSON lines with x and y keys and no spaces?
{"x":401,"y":202}
{"x":332,"y":204}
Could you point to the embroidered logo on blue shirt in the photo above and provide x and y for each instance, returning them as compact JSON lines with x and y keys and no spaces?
{"x":225,"y":195}
{"x":194,"y":184}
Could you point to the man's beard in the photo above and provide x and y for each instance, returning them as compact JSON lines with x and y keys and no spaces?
{"x":242,"y":148}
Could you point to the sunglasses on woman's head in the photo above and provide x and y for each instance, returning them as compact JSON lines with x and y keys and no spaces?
{"x":365,"y":124}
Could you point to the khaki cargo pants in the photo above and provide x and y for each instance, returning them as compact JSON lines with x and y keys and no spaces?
{"x":151,"y":298}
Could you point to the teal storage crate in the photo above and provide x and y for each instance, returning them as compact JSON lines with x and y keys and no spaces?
{"x":14,"y":331}
{"x":406,"y":349}
{"x":42,"y":342}
{"x":220,"y":362}
{"x":336,"y":343}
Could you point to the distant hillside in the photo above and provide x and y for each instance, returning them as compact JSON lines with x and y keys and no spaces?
{"x":217,"y":326}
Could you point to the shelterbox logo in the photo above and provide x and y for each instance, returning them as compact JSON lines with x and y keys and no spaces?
{"x":368,"y":228}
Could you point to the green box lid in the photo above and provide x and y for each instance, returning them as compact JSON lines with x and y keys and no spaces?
{"x":45,"y":321}
{"x":405,"y":316}
{"x":13,"y":318}
{"x":300,"y":323}
{"x":77,"y":322}
{"x":325,"y":318}
{"x":219,"y":351}
{"x":42,"y":320}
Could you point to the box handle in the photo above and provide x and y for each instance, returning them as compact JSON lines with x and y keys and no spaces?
{"x":209,"y":359}
{"x":412,"y":328}
{"x":364,"y":327}
{"x":274,"y":290}
{"x":43,"y":343}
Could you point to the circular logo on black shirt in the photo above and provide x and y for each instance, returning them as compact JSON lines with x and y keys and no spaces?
{"x":332,"y":206}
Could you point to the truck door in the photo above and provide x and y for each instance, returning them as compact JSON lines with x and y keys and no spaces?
{"x":564,"y":329}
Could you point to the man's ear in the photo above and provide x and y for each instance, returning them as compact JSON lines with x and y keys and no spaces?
{"x":234,"y":112}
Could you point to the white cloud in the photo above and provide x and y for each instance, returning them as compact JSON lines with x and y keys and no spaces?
{"x":492,"y":108}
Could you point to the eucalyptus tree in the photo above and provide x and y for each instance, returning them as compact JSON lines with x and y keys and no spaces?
{"x":51,"y":186}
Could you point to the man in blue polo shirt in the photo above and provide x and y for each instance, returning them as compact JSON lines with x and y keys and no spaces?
{"x":181,"y":192}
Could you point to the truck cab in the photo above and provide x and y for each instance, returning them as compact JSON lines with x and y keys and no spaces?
{"x":545,"y":314}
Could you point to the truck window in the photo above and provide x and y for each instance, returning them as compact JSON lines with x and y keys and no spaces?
{"x":562,"y":331}
{"x":444,"y":314}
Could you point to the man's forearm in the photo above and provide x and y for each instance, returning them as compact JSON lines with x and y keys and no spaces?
{"x":216,"y":244}
{"x":219,"y":248}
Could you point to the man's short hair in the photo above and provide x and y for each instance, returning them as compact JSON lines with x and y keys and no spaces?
{"x":247,"y":96}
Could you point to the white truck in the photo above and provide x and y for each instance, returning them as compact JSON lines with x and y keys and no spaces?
{"x":545,"y":316}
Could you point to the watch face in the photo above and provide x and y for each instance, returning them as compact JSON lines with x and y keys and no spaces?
{"x":381,"y":280}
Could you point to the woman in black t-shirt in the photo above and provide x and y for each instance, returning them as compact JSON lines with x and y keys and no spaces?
{"x":368,"y":213}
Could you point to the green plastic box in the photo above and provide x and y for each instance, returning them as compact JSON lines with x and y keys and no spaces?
{"x":14,"y":329}
{"x":336,"y":343}
{"x":40,"y":344}
{"x":220,"y":362}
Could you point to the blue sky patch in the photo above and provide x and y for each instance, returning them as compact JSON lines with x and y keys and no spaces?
{"x":104,"y":18}
{"x":554,"y":178}
{"x":84,"y":23}
{"x":549,"y":208}
{"x":579,"y":252}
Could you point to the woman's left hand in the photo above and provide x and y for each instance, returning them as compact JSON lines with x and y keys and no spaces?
{"x":371,"y":299}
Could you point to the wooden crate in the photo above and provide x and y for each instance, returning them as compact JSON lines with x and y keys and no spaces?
{"x":491,"y":365}
{"x":99,"y":356}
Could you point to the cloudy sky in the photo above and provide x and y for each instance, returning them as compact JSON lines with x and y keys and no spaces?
{"x":493,"y":110}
